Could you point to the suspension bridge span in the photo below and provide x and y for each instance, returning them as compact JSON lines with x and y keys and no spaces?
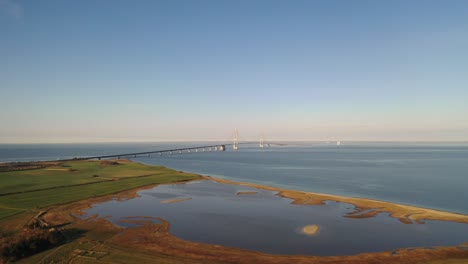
{"x":192,"y":149}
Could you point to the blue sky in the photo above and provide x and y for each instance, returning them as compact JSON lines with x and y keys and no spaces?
{"x":93,"y":71}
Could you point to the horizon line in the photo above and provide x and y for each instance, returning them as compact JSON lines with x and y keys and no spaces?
{"x":252,"y":141}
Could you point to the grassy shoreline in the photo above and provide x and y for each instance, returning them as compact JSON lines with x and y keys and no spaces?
{"x":67,"y":189}
{"x":31,"y":190}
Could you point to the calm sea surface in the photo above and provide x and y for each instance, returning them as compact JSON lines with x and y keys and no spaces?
{"x":427,"y":175}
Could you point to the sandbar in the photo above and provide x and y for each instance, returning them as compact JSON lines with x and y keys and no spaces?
{"x":246,"y":192}
{"x":177,"y":200}
{"x":310,"y":230}
{"x":365,"y":208}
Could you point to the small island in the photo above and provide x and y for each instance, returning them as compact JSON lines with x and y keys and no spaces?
{"x":310,"y":230}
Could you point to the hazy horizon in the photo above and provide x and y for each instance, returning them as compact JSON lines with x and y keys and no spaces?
{"x":115,"y":71}
{"x":253,"y":141}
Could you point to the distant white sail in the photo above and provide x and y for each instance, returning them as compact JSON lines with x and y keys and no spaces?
{"x":338,"y":143}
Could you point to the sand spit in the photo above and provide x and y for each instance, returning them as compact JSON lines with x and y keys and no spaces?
{"x":364,"y":207}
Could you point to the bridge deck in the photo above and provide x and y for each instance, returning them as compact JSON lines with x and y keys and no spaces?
{"x":135,"y":154}
{"x":145,"y":152}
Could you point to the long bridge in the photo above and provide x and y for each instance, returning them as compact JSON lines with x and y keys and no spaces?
{"x":193,"y":149}
{"x":215,"y":147}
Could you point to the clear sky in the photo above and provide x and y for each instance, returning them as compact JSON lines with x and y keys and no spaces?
{"x":93,"y":71}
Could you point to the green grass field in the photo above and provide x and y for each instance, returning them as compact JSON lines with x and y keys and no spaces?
{"x":29,"y":190}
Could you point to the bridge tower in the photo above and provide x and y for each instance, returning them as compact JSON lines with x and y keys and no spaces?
{"x":235,"y":145}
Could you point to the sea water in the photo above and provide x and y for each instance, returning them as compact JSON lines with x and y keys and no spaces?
{"x":432,"y":175}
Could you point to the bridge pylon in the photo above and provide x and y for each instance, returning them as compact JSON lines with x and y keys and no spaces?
{"x":235,"y":144}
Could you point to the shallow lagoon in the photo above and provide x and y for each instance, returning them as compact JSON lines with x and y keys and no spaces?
{"x":268,"y":223}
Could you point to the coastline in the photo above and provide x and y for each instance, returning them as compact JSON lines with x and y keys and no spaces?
{"x":364,"y":207}
{"x":150,"y":239}
{"x":156,"y":237}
